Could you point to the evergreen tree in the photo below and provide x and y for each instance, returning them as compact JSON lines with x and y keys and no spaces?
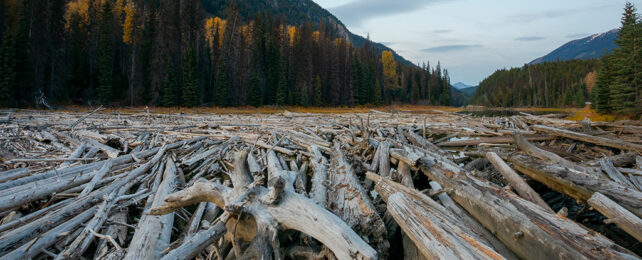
{"x":169,"y":87}
{"x":414,"y":92}
{"x":254,"y":98}
{"x":357,"y":82}
{"x":601,"y":94}
{"x":318,"y":92}
{"x":190,"y":78}
{"x":105,"y":54}
{"x":444,"y":98}
{"x":625,"y":63}
{"x":281,"y":88}
{"x":378,"y":101}
{"x":7,"y":71}
{"x":221,"y":86}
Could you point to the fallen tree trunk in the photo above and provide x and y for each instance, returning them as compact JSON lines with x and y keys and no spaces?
{"x":153,"y":234}
{"x":623,"y":218}
{"x":436,"y":234}
{"x":516,"y":182}
{"x":526,"y":228}
{"x":609,"y":142}
{"x":491,"y":140}
{"x":293,"y":211}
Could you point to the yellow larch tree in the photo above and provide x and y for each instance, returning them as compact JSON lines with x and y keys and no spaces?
{"x":389,"y":69}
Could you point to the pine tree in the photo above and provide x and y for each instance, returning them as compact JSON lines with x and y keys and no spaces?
{"x":105,"y":54}
{"x":281,"y":88}
{"x":357,"y":82}
{"x":378,"y":101}
{"x":624,"y":88}
{"x":169,"y":86}
{"x":601,"y":94}
{"x":444,"y":98}
{"x":221,"y":86}
{"x":190,"y":78}
{"x":318,"y":92}
{"x":414,"y":92}
{"x":7,"y":71}
{"x":254,"y":98}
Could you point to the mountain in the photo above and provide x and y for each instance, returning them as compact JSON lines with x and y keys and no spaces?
{"x":296,"y":12}
{"x":460,"y":85}
{"x":591,"y":47}
{"x":460,"y":94}
{"x":468,"y":92}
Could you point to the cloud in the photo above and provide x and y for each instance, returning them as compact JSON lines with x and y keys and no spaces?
{"x":442,"y":31}
{"x":529,"y":38}
{"x":355,"y":13}
{"x":552,"y":14}
{"x":454,"y":47}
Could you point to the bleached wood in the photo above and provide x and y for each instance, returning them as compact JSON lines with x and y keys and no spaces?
{"x":623,"y":218}
{"x":516,"y":182}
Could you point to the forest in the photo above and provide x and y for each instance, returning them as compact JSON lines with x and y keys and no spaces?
{"x":612,"y":84}
{"x":619,"y":81}
{"x":551,"y":84}
{"x":189,"y":53}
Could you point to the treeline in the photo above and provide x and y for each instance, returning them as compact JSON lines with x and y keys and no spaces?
{"x":175,"y":53}
{"x":551,"y":84}
{"x":619,"y":80}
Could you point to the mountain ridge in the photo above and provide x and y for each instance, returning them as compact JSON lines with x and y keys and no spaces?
{"x":296,"y":12}
{"x":591,"y":47}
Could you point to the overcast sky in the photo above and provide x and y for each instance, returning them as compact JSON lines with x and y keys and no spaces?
{"x":473,"y":38}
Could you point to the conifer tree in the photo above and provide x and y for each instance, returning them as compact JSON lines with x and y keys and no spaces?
{"x":281,"y":88}
{"x":190,"y":78}
{"x":169,"y":86}
{"x":105,"y":54}
{"x":601,"y":94}
{"x":378,"y":101}
{"x":221,"y":86}
{"x":7,"y":71}
{"x":318,"y":92}
{"x":254,"y":98}
{"x":625,"y":63}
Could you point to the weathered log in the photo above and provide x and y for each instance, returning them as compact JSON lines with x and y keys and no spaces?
{"x":153,"y":233}
{"x":18,"y":236}
{"x":623,"y":218}
{"x":436,"y":234}
{"x":491,"y":140}
{"x":76,"y":154}
{"x":516,"y":182}
{"x":351,"y":203}
{"x":123,"y":159}
{"x":620,"y":160}
{"x":609,"y":142}
{"x":195,"y":244}
{"x":278,"y":204}
{"x":615,"y":174}
{"x":48,"y":238}
{"x":526,"y":228}
{"x":423,"y":143}
{"x":470,"y":222}
{"x":14,"y":174}
{"x":318,"y":191}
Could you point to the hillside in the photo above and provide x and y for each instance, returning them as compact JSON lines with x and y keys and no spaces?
{"x":550,"y":84}
{"x":592,"y":47}
{"x":198,"y":53}
{"x":296,"y":12}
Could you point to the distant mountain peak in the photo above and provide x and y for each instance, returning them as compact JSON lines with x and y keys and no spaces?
{"x":591,"y":47}
{"x":461,"y":85}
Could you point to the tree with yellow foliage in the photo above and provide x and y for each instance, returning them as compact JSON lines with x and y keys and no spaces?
{"x":389,"y":70}
{"x":129,"y":38}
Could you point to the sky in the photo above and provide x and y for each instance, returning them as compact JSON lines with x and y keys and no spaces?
{"x":473,"y":38}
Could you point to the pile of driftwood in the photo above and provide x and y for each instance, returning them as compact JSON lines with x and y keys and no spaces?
{"x":373,"y":185}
